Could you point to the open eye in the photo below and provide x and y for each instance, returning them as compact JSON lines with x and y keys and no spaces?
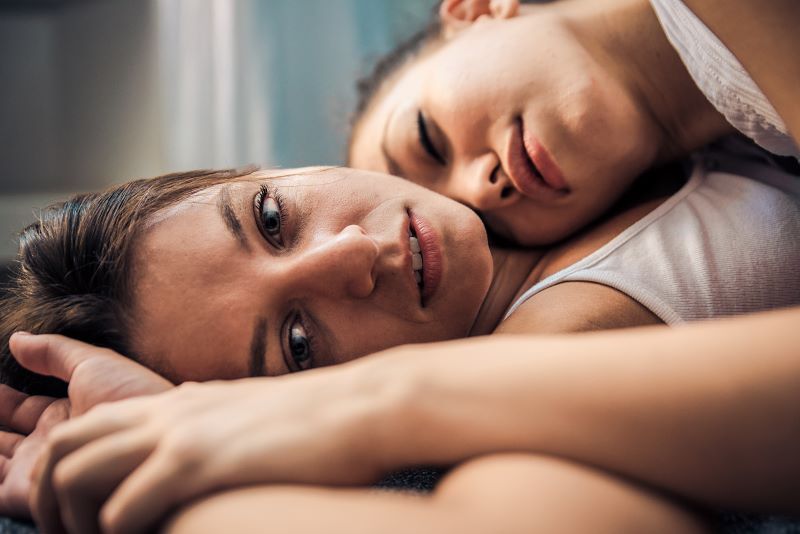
{"x":299,"y":347}
{"x":270,"y":215}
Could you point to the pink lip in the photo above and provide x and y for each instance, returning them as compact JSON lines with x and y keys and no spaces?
{"x":430,"y":244}
{"x":531,"y":169}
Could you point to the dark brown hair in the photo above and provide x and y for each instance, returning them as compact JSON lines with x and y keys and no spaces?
{"x":384,"y":67}
{"x":72,"y":274}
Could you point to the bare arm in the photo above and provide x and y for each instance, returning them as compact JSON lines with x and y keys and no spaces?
{"x":577,"y":307}
{"x":763,"y":36}
{"x":709,"y":411}
{"x":502,"y":493}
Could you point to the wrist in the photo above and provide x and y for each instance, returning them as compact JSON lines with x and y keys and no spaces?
{"x":437,"y":404}
{"x":387,"y":389}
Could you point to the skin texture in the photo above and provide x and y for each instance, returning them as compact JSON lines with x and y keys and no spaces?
{"x":95,"y":376}
{"x":183,"y":271}
{"x":763,"y":54}
{"x":570,"y":75}
{"x":339,"y":269}
{"x":642,"y":398}
{"x":657,"y":422}
{"x":557,"y":496}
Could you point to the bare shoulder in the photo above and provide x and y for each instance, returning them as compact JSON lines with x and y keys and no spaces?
{"x":764,"y":38}
{"x":582,"y":306}
{"x":577,"y":307}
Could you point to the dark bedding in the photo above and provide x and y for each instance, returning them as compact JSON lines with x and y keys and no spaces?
{"x":423,"y":480}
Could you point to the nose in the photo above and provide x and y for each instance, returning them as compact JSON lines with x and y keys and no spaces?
{"x":483,"y":185}
{"x":339,"y":265}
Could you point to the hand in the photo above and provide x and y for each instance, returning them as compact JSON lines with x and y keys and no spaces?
{"x":28,"y":420}
{"x":153,"y":453}
{"x":94,"y":375}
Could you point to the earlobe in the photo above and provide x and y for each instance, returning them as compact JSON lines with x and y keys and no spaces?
{"x":459,"y":14}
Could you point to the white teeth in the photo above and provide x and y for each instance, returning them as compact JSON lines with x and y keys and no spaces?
{"x":416,"y":261}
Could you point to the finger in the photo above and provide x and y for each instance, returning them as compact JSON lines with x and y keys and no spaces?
{"x":5,"y":465}
{"x":66,"y":439}
{"x":84,"y":479}
{"x":16,"y":483}
{"x":148,"y":494}
{"x":13,"y":500}
{"x":8,"y":443}
{"x":20,"y":412}
{"x":51,"y":354}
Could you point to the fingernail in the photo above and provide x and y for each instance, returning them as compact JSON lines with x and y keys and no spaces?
{"x":22,"y":333}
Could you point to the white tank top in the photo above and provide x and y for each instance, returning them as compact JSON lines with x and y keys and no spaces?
{"x":727,"y":243}
{"x":722,"y":79}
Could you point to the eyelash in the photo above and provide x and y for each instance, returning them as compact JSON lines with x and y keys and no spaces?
{"x":425,"y":139}
{"x":312,"y":344}
{"x":265,"y":192}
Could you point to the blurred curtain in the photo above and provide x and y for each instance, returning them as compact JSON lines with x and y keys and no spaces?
{"x":214,"y":102}
{"x":268,"y":81}
{"x":96,"y":93}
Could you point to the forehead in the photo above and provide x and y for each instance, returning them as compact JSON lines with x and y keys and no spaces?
{"x":183,"y":285}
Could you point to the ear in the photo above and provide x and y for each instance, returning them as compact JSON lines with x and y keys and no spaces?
{"x":459,"y":14}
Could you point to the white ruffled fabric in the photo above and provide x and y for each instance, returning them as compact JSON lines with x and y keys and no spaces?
{"x":723,"y":80}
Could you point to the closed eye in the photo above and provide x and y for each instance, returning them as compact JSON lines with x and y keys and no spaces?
{"x":425,"y":139}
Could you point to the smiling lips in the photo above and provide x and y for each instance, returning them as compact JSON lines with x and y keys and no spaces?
{"x":427,"y":260}
{"x":531,"y":169}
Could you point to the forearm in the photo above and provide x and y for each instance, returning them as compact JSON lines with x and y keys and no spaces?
{"x":305,"y":509}
{"x":710,"y":411}
{"x":501,"y":493}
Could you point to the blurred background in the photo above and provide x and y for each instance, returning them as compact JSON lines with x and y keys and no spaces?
{"x":96,"y":92}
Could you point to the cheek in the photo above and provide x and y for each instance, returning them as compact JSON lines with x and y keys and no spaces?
{"x":366,"y":331}
{"x":614,"y":131}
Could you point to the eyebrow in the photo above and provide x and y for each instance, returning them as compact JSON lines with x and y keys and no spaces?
{"x":232,"y":222}
{"x":258,"y":349}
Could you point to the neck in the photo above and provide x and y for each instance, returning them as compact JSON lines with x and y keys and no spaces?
{"x":626,"y":37}
{"x":512,"y":268}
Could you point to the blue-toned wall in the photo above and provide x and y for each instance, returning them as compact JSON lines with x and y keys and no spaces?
{"x":100,"y":91}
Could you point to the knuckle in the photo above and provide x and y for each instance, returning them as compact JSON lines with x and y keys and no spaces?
{"x":63,"y":481}
{"x":109,"y":520}
{"x":187,"y":388}
{"x":184,"y":450}
{"x":58,"y":441}
{"x":109,"y":413}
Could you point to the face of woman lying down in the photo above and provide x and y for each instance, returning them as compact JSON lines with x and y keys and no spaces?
{"x":515,"y":118}
{"x":268,"y":276}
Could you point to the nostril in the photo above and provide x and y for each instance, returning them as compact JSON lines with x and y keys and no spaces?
{"x":506,"y":192}
{"x":493,"y":175}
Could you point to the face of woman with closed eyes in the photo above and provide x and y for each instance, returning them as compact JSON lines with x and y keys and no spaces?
{"x":270,"y":275}
{"x":513,"y":115}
